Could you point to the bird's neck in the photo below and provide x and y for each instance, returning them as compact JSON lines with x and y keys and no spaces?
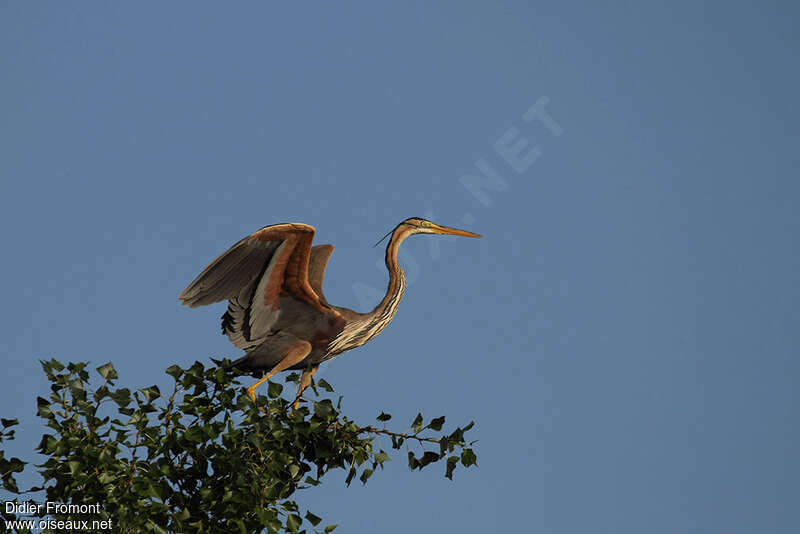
{"x":366,"y":326}
{"x":397,"y":283}
{"x":375,"y":321}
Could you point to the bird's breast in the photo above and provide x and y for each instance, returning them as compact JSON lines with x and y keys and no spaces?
{"x":327,"y":332}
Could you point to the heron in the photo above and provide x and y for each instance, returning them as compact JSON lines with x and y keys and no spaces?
{"x":277,"y":312}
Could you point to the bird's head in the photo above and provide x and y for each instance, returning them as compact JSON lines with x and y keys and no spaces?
{"x":418,"y":225}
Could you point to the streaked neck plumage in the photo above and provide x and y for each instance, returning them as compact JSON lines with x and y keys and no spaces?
{"x":368,"y":325}
{"x":397,"y":278}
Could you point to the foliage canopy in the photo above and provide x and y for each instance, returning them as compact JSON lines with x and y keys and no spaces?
{"x":205,"y":458}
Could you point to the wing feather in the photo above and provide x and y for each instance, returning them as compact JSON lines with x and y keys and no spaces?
{"x":320,"y":255}
{"x":226,"y":275}
{"x":263,"y":309}
{"x":255,"y":273}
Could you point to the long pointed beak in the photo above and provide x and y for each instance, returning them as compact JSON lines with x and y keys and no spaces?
{"x":437,"y":229}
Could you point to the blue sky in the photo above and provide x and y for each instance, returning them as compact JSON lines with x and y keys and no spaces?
{"x":625,"y":335}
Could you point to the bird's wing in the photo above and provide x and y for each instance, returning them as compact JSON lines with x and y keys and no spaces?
{"x":253,"y":275}
{"x":320,"y":254}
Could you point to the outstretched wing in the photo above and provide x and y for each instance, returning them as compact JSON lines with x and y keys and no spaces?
{"x":320,"y":255}
{"x":253,"y":275}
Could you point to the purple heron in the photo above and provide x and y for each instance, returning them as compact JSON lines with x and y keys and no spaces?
{"x":277,"y":313}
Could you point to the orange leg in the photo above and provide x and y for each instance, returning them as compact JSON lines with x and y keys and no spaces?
{"x":305,"y":381}
{"x":296,"y":354}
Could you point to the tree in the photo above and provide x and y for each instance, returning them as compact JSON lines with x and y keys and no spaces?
{"x":204,"y":458}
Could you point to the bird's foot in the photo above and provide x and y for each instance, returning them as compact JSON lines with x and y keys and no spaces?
{"x":296,"y":404}
{"x":251,"y":392}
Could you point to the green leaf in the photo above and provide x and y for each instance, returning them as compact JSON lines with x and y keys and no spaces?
{"x":293,"y":377}
{"x":324,"y":409}
{"x":44,"y":410}
{"x":9,"y":484}
{"x":121,"y":396}
{"x":8,"y":422}
{"x":360,"y":455}
{"x":436,"y":424}
{"x":100,"y":393}
{"x":365,"y":474}
{"x":293,"y":522}
{"x":457,"y":436}
{"x":427,"y":458}
{"x":74,"y":467}
{"x":174,"y":371}
{"x":384,"y":417}
{"x":330,"y":528}
{"x":413,"y":463}
{"x":274,"y":390}
{"x":54,"y":364}
{"x":293,"y":470}
{"x":417,"y":424}
{"x":12,"y":465}
{"x":350,"y":475}
{"x":468,"y":458}
{"x":151,"y":393}
{"x":313,"y":519}
{"x":452,"y":462}
{"x":324,"y":385}
{"x":107,"y":371}
{"x":47,"y":445}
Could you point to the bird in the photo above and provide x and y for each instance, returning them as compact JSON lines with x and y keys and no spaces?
{"x":277,"y":312}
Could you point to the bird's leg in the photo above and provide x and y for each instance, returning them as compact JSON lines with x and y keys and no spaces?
{"x":294,"y":355}
{"x":305,"y":381}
